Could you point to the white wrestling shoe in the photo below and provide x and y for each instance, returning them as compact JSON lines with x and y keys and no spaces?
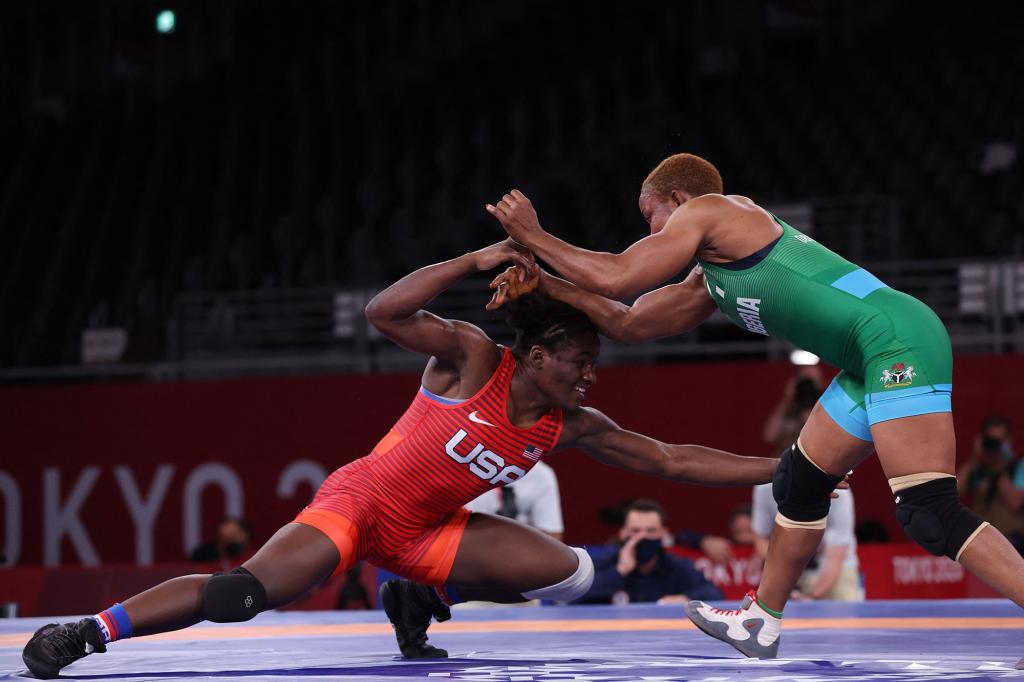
{"x":749,"y":629}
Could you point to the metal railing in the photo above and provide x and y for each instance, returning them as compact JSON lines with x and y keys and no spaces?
{"x":297,"y":331}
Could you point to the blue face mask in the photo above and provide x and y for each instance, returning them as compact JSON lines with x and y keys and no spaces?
{"x":647,"y":549}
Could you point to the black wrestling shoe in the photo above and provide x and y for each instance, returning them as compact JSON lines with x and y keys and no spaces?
{"x":410,"y":607}
{"x":55,"y":646}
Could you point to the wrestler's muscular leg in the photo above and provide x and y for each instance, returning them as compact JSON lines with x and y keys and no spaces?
{"x":834,"y":450}
{"x":297,"y":558}
{"x":927,"y":443}
{"x":499,"y":559}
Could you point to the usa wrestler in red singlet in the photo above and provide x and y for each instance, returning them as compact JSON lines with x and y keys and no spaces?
{"x":482,"y":417}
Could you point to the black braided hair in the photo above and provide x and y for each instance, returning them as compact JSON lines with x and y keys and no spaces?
{"x":542,"y":321}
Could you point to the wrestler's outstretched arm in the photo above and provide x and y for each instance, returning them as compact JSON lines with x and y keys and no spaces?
{"x":607,"y":442}
{"x":670,"y":310}
{"x":647,"y":263}
{"x":667,"y":311}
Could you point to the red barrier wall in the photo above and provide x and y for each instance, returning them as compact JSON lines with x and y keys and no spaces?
{"x":891,"y":571}
{"x":101,"y":473}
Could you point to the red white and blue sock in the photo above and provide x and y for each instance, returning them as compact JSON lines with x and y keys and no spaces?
{"x":114,"y":624}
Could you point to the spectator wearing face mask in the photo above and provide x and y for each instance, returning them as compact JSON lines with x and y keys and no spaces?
{"x":641,"y":570}
{"x":231,"y":546}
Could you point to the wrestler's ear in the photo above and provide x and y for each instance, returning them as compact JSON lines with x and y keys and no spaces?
{"x":536,"y":357}
{"x":679,"y":197}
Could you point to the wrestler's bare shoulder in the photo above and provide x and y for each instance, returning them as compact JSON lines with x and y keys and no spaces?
{"x":712,"y":212}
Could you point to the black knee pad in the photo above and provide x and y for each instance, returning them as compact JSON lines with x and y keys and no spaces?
{"x":802,"y":491}
{"x":931,"y":514}
{"x":233,"y":597}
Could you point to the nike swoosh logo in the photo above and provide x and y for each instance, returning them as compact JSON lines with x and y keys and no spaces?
{"x":478,"y":420}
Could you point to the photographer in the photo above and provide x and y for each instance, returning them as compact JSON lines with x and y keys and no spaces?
{"x":802,"y":391}
{"x":641,"y":571}
{"x":993,"y":479}
{"x":991,"y":453}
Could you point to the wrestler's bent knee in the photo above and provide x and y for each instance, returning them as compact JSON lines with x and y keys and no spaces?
{"x":573,"y":587}
{"x":929,"y":509}
{"x":802,"y":491}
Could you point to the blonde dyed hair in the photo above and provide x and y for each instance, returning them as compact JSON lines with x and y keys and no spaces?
{"x":687,"y":172}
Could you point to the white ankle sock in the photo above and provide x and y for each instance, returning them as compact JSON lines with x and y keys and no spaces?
{"x":772,"y":625}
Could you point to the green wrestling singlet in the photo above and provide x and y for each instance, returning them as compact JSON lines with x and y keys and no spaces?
{"x":893,"y":349}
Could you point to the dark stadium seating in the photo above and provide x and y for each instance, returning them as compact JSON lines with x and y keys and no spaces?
{"x":270,"y":144}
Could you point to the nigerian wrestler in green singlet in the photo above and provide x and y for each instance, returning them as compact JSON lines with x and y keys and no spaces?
{"x":892,"y":395}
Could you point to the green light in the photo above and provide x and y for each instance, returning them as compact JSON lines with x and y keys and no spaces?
{"x":165,"y":21}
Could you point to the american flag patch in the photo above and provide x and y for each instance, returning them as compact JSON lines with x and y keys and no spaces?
{"x":532,"y":452}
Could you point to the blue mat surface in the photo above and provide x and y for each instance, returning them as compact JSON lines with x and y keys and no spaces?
{"x":883,"y":640}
